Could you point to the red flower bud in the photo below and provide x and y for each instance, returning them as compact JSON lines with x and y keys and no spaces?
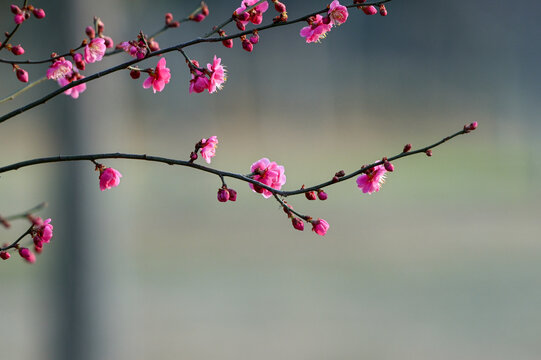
{"x":223,"y":195}
{"x":310,"y":195}
{"x":407,"y":148}
{"x":297,"y":223}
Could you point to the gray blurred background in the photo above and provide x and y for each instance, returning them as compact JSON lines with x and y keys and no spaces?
{"x":443,"y":263}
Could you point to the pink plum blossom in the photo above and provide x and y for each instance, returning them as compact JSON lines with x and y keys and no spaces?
{"x":109,"y":178}
{"x":208,"y":149}
{"x":95,"y":50}
{"x":217,"y":75}
{"x":59,"y":68}
{"x":255,"y":15}
{"x":76,"y":90}
{"x":268,"y":173}
{"x":39,"y":13}
{"x":320,"y":226}
{"x":158,"y":77}
{"x":372,"y":180}
{"x":42,"y":232}
{"x":338,"y":13}
{"x":316,"y":31}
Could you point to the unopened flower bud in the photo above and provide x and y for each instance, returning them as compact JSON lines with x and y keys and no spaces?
{"x":4,"y":255}
{"x":232,"y":195}
{"x":168,"y":18}
{"x":19,"y":18}
{"x":90,"y":32}
{"x":100,"y":26}
{"x":27,"y":255}
{"x":223,"y":195}
{"x":15,"y":9}
{"x":254,"y":39}
{"x":17,"y":50}
{"x":428,"y":152}
{"x":135,"y":74}
{"x":471,"y":126}
{"x":335,"y":179}
{"x":204,"y":9}
{"x":38,"y":249}
{"x":320,"y":226}
{"x":382,"y":10}
{"x":247,"y":45}
{"x":153,"y":45}
{"x":369,"y":10}
{"x":240,"y":26}
{"x":322,"y":195}
{"x":286,"y":209}
{"x":228,"y":43}
{"x":243,"y":16}
{"x":108,"y":42}
{"x":193,"y":157}
{"x":326,"y":20}
{"x":310,"y":195}
{"x":388,"y":166}
{"x":278,"y":6}
{"x":22,"y":75}
{"x":198,"y":17}
{"x":39,"y":13}
{"x":407,"y":148}
{"x":297,"y":223}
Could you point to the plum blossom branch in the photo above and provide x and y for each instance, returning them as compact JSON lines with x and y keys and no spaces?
{"x":10,"y":35}
{"x":177,"y":47}
{"x":14,"y":244}
{"x":220,"y":173}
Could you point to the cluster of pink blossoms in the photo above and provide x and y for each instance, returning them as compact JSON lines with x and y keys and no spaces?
{"x":255,"y":16}
{"x":24,"y":13}
{"x":41,"y":233}
{"x":63,"y":70}
{"x":212,"y":78}
{"x":318,"y":26}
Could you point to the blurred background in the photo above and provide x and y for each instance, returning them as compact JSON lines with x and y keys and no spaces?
{"x":442,"y":263}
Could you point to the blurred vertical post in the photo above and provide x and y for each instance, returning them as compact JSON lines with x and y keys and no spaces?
{"x":83,"y":288}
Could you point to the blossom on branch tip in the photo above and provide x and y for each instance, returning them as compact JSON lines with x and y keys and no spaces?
{"x":4,"y":255}
{"x":320,"y":226}
{"x":372,"y":179}
{"x":109,"y":178}
{"x":316,"y":30}
{"x":208,"y":148}
{"x":158,"y":77}
{"x":59,"y":69}
{"x":268,"y":173}
{"x":337,"y":13}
